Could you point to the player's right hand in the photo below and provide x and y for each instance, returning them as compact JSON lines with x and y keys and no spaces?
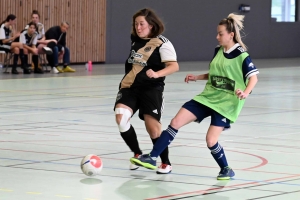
{"x":17,"y":34}
{"x":53,"y":40}
{"x":190,"y":77}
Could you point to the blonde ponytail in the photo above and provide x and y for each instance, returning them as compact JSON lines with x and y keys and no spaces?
{"x":234,"y":23}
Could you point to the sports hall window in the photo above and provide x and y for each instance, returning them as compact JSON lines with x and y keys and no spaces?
{"x":283,"y":10}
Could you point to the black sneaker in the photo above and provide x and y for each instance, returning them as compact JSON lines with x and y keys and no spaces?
{"x":26,"y":71}
{"x":38,"y":70}
{"x":14,"y":71}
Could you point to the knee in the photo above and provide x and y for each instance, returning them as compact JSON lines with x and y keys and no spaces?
{"x":35,"y":52}
{"x":123,"y":116}
{"x":118,"y":118}
{"x":211,"y":141}
{"x":154,"y":132}
{"x":175,"y":123}
{"x":16,"y":50}
{"x":25,"y":51}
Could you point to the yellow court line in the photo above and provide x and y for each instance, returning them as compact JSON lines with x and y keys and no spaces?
{"x":63,"y":196}
{"x":36,"y":193}
{"x":6,"y":190}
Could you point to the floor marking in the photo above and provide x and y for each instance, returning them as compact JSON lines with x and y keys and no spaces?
{"x":217,"y":188}
{"x":6,"y":190}
{"x":35,"y":193}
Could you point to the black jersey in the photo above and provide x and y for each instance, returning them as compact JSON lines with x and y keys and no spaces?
{"x":27,"y":39}
{"x":147,"y":54}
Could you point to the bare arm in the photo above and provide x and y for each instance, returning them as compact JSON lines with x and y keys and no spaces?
{"x":202,"y":77}
{"x":170,"y":68}
{"x":32,"y":49}
{"x":11,"y":39}
{"x":251,"y":84}
{"x":192,"y":77}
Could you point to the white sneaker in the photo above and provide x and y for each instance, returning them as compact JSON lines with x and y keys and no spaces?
{"x":54,"y":70}
{"x":164,"y":169}
{"x":133,"y":166}
{"x":47,"y":50}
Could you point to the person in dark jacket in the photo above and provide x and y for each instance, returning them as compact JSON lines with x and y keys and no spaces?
{"x":58,"y":48}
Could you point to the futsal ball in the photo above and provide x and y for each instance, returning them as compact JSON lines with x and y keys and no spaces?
{"x":91,"y":165}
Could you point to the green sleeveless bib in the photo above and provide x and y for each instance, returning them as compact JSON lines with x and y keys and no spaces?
{"x":225,"y":77}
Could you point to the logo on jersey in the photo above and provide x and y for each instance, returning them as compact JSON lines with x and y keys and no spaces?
{"x":223,"y":83}
{"x":251,"y":65}
{"x":136,"y":58}
{"x":155,"y":111}
{"x":147,"y":49}
{"x":119,"y":96}
{"x":241,"y":49}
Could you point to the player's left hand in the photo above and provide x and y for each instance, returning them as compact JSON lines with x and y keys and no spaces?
{"x":152,"y":74}
{"x":241,"y":94}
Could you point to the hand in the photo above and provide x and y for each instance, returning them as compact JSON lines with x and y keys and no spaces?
{"x":53,"y":40}
{"x":17,"y":34}
{"x":190,"y":77}
{"x":241,"y":94}
{"x":152,"y":74}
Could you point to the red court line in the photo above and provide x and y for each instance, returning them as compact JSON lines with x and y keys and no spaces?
{"x":264,"y":161}
{"x":270,"y":145}
{"x":190,"y":146}
{"x":202,"y":166}
{"x":217,"y":188}
{"x":209,"y":158}
{"x":247,"y":169}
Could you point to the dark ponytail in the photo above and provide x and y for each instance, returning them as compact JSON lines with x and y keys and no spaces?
{"x":9,"y":17}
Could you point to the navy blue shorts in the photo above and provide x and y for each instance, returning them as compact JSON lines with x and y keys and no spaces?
{"x":201,"y":111}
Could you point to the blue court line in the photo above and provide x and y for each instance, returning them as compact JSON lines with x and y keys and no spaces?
{"x":148,"y":171}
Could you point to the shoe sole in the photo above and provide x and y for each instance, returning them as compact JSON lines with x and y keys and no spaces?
{"x":134,"y":168}
{"x":224,"y":178}
{"x":142,"y":164}
{"x":164,"y":173}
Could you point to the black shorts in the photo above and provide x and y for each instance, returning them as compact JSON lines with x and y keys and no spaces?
{"x":147,"y":101}
{"x":201,"y":111}
{"x":5,"y":47}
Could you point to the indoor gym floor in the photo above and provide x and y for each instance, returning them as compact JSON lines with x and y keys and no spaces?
{"x":50,"y":122}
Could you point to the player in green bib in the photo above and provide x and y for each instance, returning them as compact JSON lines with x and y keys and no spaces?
{"x":231,"y":78}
